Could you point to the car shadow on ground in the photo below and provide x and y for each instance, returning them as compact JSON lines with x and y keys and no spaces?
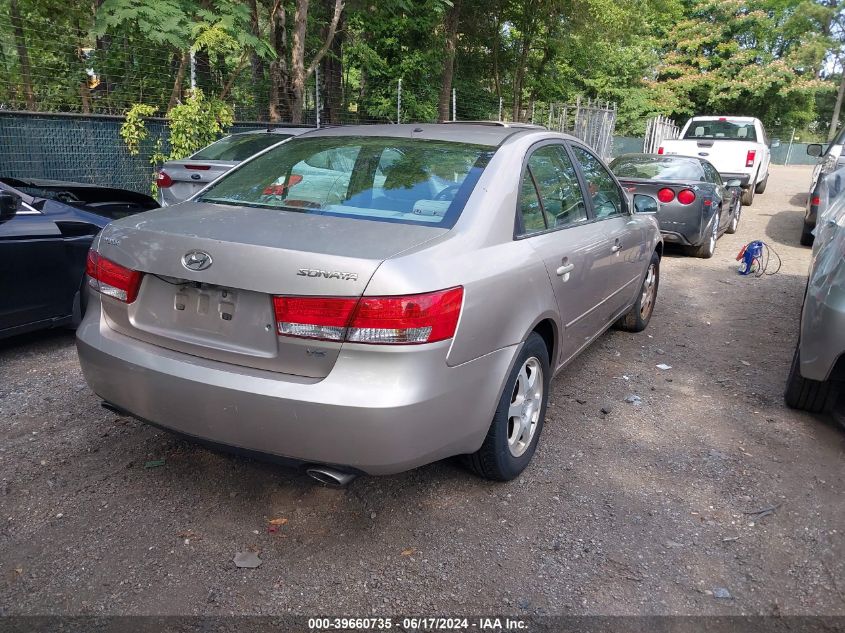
{"x":36,"y":342}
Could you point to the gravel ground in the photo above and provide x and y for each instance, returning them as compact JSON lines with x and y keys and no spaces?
{"x":708,"y":497}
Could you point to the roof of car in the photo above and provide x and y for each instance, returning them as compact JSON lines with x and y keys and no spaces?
{"x":476,"y":132}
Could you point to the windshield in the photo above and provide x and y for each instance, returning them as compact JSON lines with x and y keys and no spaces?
{"x":413,"y":181}
{"x":655,"y":168}
{"x":722,"y":129}
{"x":239,"y":146}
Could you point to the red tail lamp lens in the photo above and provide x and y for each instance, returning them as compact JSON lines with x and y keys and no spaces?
{"x":666,"y":195}
{"x":411,"y":319}
{"x":111,"y":279}
{"x":163,"y":180}
{"x":687,"y":196}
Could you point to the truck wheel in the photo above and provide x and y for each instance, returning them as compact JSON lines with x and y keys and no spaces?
{"x":761,"y":186}
{"x":747,"y":196}
{"x":805,"y":394}
{"x":806,"y":235}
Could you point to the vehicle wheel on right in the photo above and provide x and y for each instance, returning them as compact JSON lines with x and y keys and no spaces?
{"x":761,"y":186}
{"x":808,"y":395}
{"x":806,"y":235}
{"x":747,"y":196}
{"x":706,"y":249}
{"x":518,"y":421}
{"x":737,"y":212}
{"x":637,"y":318}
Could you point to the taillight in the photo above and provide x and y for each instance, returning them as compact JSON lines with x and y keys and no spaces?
{"x":198,"y":167}
{"x":749,"y":157}
{"x":403,"y":320}
{"x":666,"y":195}
{"x":163,"y":180}
{"x":660,"y":150}
{"x":815,"y":201}
{"x":686,"y":196}
{"x":112,"y":279}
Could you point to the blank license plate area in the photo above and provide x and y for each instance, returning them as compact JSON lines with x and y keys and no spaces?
{"x":239,"y":321}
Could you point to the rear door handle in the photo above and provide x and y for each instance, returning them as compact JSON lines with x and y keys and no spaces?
{"x":565,"y":269}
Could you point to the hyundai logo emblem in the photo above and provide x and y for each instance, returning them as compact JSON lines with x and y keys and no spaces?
{"x":196,"y":260}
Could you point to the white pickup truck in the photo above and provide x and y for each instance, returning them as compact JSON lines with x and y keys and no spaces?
{"x":738,"y":148}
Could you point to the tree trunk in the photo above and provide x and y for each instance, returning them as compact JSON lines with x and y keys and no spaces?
{"x":278,"y":67}
{"x":451,"y":21}
{"x":23,"y":54}
{"x":496,"y":81}
{"x":176,"y":93}
{"x":331,"y":72}
{"x":837,"y":107}
{"x":299,"y":73}
{"x":256,"y":62}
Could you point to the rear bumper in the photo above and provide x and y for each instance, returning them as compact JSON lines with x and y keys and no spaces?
{"x":379,"y":411}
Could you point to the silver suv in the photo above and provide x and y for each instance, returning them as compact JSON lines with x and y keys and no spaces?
{"x":370,"y":299}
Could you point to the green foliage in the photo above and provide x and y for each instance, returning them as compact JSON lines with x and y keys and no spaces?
{"x":134,"y":129}
{"x":196,"y":123}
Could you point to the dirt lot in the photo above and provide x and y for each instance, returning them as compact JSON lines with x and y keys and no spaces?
{"x":709,"y":497}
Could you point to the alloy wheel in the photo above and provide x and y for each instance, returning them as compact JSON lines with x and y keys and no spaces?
{"x":649,"y":292}
{"x":526,"y":405}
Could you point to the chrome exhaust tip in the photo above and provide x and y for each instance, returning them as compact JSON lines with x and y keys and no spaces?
{"x":330,"y":476}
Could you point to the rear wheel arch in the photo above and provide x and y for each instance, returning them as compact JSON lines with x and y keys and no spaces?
{"x":547,"y":329}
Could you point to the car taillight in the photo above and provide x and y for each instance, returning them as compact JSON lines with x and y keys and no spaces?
{"x":112,"y":279}
{"x":815,"y":201}
{"x":666,"y":195}
{"x":749,"y":158}
{"x":198,"y":167}
{"x":163,"y":180}
{"x":686,"y":196}
{"x":403,"y":320}
{"x":660,"y":150}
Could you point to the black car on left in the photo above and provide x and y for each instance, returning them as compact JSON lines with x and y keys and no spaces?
{"x":697,"y":206}
{"x":46,"y":228}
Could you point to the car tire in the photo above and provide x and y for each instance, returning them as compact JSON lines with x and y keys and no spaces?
{"x":808,"y":395}
{"x":747,"y":196}
{"x":512,"y":439}
{"x":735,"y":216}
{"x":707,"y":249}
{"x":637,"y":318}
{"x":761,"y":186}
{"x":807,"y":237}
{"x":80,"y":304}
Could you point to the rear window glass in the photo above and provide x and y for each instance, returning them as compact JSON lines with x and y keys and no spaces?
{"x":651,"y":168}
{"x":727,"y":129}
{"x":239,"y":146}
{"x":413,"y":181}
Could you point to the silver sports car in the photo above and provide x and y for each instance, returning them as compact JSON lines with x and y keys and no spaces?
{"x":697,"y":206}
{"x":370,"y":299}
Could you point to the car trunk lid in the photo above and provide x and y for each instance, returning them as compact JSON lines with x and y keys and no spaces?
{"x":189,"y":176}
{"x":224,"y":312}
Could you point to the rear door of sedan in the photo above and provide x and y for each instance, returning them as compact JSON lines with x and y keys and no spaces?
{"x":553,"y":218}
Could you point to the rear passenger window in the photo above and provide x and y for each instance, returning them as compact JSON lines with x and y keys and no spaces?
{"x":551,"y":196}
{"x":607,"y":199}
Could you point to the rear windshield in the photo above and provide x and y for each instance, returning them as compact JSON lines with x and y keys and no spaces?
{"x":413,"y":181}
{"x":718,"y":129}
{"x":239,"y":146}
{"x":655,"y":168}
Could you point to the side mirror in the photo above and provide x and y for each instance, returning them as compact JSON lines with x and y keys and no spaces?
{"x":735,"y":182}
{"x":9,"y":205}
{"x":815,"y":149}
{"x":645,"y":204}
{"x":775,"y":143}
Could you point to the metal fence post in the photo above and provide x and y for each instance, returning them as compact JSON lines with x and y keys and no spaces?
{"x":454,"y":104}
{"x":317,"y":95}
{"x":500,"y":108}
{"x":399,"y":103}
